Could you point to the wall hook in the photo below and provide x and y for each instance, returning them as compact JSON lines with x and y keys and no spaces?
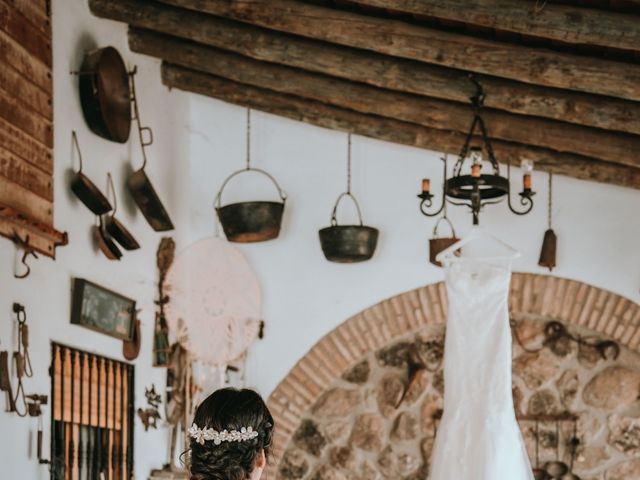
{"x":28,"y":250}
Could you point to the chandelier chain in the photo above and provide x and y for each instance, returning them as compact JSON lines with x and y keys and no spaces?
{"x":550,"y":206}
{"x":349,"y":163}
{"x":248,"y":139}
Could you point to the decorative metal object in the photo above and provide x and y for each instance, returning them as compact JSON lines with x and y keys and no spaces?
{"x":475,"y":189}
{"x":21,"y":360}
{"x":34,"y":408}
{"x":556,"y":334}
{"x":256,"y":221}
{"x":437,"y":243}
{"x":348,"y":243}
{"x":151,"y":414}
{"x":161,"y":346}
{"x":550,"y":241}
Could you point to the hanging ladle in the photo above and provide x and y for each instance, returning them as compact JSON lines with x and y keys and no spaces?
{"x":85,"y":189}
{"x":114,"y":227}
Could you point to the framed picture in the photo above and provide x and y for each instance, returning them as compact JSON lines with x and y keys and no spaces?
{"x":102,"y":310}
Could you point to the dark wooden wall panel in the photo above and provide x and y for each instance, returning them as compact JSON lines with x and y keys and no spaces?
{"x":26,"y":125}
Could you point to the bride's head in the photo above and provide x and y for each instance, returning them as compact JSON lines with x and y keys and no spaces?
{"x":230,"y":436}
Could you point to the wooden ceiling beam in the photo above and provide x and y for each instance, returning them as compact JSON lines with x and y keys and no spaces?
{"x":428,"y":112}
{"x":375,"y":69}
{"x":395,"y":131}
{"x":400,"y":39}
{"x":565,"y":23}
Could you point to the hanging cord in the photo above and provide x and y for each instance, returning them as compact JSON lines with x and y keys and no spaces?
{"x":550,"y":198}
{"x":21,"y":358}
{"x":248,"y":139}
{"x":349,"y":164}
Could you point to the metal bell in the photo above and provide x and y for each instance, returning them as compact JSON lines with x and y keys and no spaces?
{"x":548,"y":252}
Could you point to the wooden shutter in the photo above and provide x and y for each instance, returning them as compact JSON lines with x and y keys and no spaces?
{"x":26,"y":125}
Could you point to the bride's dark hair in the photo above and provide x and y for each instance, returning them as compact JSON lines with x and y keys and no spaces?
{"x":230,"y":409}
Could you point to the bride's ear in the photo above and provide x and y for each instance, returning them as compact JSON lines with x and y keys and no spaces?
{"x":261,"y":460}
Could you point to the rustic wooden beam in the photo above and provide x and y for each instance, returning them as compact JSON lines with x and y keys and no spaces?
{"x":429,"y":112}
{"x":323,"y":115}
{"x":381,"y":70}
{"x":400,"y":39}
{"x":568,"y":24}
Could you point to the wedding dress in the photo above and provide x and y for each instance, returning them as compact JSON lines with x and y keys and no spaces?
{"x":478,"y":437}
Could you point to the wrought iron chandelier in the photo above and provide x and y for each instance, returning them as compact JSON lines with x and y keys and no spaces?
{"x":475,"y":189}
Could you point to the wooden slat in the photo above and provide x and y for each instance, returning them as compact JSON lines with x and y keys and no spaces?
{"x":26,"y":92}
{"x":35,"y":11}
{"x":42,"y":238}
{"x":37,"y":126}
{"x":18,"y":27}
{"x":26,"y":202}
{"x":558,"y":22}
{"x":19,"y":171}
{"x":391,"y":37}
{"x":22,"y":145}
{"x":15,"y":55}
{"x":559,"y":136}
{"x":383,"y":71}
{"x":395,"y":131}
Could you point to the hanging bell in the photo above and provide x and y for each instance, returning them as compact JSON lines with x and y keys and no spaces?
{"x":548,"y":252}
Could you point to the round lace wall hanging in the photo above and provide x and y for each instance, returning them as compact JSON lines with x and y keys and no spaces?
{"x":215,"y":303}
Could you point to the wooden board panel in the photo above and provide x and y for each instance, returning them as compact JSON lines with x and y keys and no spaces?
{"x":42,"y":238}
{"x":26,"y":126}
{"x":37,"y":126}
{"x":26,"y":202}
{"x":16,"y":25}
{"x":35,"y":11}
{"x":21,"y":172}
{"x":19,"y":143}
{"x":12,"y":53}
{"x":27,"y":92}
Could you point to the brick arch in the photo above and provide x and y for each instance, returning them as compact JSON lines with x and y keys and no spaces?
{"x":568,"y":301}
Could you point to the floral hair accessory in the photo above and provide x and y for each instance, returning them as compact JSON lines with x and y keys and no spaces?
{"x":201,"y":435}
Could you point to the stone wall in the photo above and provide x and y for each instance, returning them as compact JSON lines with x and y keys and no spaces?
{"x":371,"y":425}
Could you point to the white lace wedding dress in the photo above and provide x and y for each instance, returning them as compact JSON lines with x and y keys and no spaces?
{"x":478,"y":437}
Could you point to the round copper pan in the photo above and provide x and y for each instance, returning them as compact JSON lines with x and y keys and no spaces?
{"x":105,"y":94}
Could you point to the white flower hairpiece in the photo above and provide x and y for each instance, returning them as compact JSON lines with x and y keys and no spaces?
{"x":202,"y":434}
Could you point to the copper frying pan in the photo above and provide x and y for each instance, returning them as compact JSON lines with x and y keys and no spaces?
{"x":105,"y":94}
{"x":138,"y":182}
{"x":104,"y":242}
{"x":115,"y":228}
{"x":85,"y":189}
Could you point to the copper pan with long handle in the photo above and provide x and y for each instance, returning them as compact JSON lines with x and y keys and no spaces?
{"x":85,"y":189}
{"x":138,"y":182}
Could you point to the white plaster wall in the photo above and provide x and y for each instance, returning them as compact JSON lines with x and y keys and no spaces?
{"x":46,"y":293}
{"x":199,"y":141}
{"x":305,"y":296}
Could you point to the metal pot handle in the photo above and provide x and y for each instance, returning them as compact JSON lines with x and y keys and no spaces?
{"x":334,"y":221}
{"x":283,"y":195}
{"x":435,"y":228}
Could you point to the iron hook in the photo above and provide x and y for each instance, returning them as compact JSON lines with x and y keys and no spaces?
{"x":28,"y":250}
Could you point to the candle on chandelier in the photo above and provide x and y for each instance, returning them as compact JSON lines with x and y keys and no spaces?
{"x":527,"y":167}
{"x":426,"y":185}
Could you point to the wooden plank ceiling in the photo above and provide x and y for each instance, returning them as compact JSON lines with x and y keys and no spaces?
{"x":562,"y":80}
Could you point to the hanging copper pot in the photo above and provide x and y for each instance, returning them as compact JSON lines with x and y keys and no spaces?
{"x":247,"y":222}
{"x":85,"y":189}
{"x":105,"y":94}
{"x":131,"y":348}
{"x":438,"y":244}
{"x":348,"y":243}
